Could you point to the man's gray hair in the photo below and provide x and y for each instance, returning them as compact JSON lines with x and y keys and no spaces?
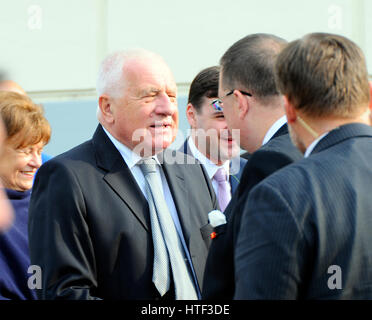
{"x":111,"y":79}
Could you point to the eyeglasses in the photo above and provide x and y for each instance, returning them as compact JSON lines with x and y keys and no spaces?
{"x":217,"y":103}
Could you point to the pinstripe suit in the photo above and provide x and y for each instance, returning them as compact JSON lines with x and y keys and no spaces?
{"x":307,"y":217}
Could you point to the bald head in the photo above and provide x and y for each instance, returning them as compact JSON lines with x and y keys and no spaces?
{"x":9,"y":85}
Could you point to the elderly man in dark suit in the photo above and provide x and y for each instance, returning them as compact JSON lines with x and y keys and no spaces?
{"x":117,"y":217}
{"x":306,"y":230}
{"x":210,"y":141}
{"x":251,"y":103}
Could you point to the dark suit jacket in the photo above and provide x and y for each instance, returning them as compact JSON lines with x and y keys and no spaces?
{"x":234,"y":179}
{"x":89,"y":226}
{"x":307,"y":218}
{"x":219,"y":279}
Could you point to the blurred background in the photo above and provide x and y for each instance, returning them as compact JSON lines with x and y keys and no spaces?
{"x":53,"y":48}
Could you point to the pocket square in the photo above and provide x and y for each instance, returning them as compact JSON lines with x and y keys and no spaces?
{"x":216,"y":218}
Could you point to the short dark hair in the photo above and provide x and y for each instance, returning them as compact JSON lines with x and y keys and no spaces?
{"x":324,"y":74}
{"x":205,"y":84}
{"x":250,"y":62}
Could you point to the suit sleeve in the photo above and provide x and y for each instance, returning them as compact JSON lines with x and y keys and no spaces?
{"x":270,"y":252}
{"x":59,"y":235}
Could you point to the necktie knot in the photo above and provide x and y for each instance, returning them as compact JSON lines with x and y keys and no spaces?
{"x":148,"y":165}
{"x":220,"y":175}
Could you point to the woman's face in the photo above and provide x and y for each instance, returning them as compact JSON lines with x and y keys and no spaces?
{"x":21,"y":167}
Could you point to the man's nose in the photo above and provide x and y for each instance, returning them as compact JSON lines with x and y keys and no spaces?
{"x":166,"y":105}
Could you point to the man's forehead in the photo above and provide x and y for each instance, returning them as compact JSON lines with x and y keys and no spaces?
{"x":149,"y":76}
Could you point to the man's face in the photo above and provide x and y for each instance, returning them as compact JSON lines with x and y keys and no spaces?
{"x":213,"y":137}
{"x":230,"y":111}
{"x":146,"y":116}
{"x":228,"y":108}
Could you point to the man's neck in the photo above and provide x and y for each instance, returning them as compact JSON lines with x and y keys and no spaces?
{"x":322,"y":126}
{"x":217,"y":162}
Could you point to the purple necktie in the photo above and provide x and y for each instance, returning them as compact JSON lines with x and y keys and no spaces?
{"x":223,"y":194}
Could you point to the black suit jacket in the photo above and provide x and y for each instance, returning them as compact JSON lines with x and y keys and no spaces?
{"x":234,"y":178}
{"x":89,"y":226}
{"x":307,"y":228}
{"x":219,"y":279}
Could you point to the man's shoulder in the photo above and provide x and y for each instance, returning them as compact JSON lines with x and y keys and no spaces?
{"x":75,"y":157}
{"x":282,"y":145}
{"x":275,"y":154}
{"x":180,"y":162}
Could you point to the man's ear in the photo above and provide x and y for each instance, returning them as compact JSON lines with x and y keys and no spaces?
{"x":243,"y":104}
{"x":290,"y":111}
{"x":191,"y":115}
{"x":105,"y":107}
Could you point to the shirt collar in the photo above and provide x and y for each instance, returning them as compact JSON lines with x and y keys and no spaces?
{"x":210,"y":167}
{"x":312,"y":146}
{"x":130,"y":158}
{"x":274,"y":128}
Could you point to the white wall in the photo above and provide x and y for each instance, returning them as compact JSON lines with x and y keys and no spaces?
{"x":54,"y":46}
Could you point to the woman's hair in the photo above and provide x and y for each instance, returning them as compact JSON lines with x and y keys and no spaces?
{"x":24,"y":120}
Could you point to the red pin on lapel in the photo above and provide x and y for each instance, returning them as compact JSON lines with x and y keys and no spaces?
{"x":213,"y":235}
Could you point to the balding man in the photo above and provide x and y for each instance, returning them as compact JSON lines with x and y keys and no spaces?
{"x":113,"y":218}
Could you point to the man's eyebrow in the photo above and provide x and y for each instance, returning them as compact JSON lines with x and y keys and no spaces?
{"x":146,"y":91}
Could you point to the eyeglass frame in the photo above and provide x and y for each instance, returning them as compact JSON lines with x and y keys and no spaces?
{"x":217,"y":103}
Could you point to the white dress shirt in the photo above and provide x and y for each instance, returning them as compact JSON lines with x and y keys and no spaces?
{"x":274,"y":128}
{"x":209,"y":166}
{"x":312,"y":146}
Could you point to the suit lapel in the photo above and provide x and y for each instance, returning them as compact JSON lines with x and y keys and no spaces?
{"x":342,"y":133}
{"x":180,"y":194}
{"x":235,"y":178}
{"x":119,"y":177}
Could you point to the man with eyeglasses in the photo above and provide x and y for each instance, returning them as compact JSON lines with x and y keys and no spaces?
{"x":306,"y":230}
{"x":252,"y":104}
{"x":210,"y":142}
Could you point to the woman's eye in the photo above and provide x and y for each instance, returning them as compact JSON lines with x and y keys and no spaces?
{"x":24,"y":151}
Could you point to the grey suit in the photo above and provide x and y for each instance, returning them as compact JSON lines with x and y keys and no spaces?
{"x":89,"y":225}
{"x":307,"y":218}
